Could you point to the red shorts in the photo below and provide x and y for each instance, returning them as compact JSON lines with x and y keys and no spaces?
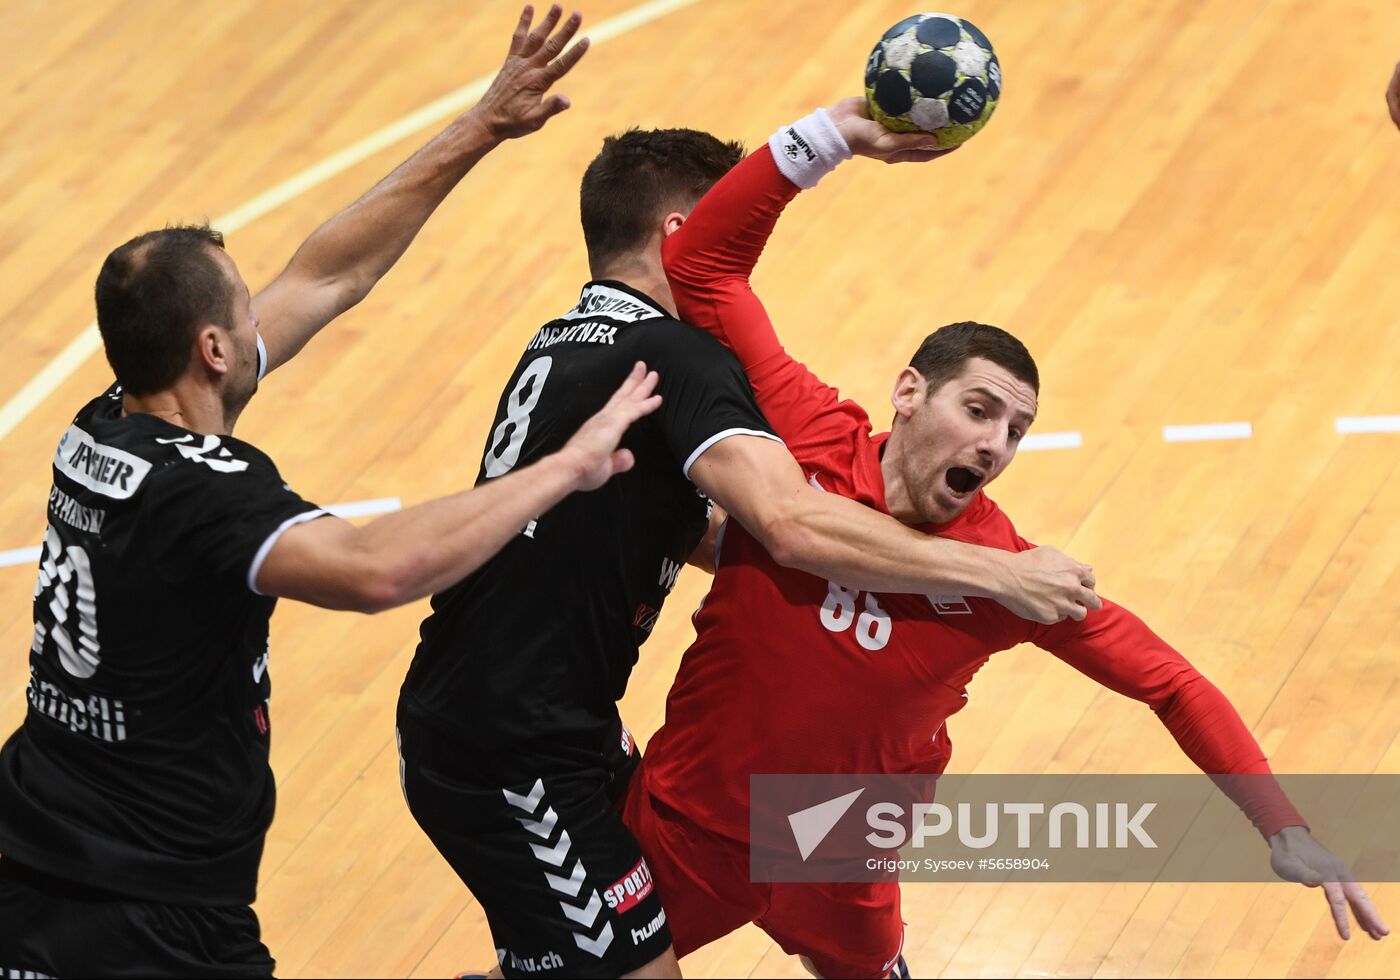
{"x":846,"y":930}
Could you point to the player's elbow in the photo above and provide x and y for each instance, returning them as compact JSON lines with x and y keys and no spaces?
{"x":789,"y":542}
{"x":375,"y":594}
{"x":378,"y":582}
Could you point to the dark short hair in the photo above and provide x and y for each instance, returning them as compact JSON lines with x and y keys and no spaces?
{"x":940,"y":358}
{"x":640,"y":176}
{"x":153,"y":294}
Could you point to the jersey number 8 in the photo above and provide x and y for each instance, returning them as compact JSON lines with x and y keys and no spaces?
{"x":839,"y":612}
{"x":500,"y":459}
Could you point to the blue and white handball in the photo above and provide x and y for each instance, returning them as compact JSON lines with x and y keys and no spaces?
{"x":936,"y":73}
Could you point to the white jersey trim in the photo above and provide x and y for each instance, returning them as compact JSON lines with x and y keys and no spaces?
{"x":717,"y":437}
{"x":266,"y":547}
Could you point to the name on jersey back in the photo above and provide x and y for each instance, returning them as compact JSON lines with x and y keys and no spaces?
{"x":588,"y":332}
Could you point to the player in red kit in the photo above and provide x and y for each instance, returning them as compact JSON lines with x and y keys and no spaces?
{"x":791,"y":673}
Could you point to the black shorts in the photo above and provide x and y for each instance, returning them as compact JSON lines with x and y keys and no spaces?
{"x":561,"y":880}
{"x":52,"y":927}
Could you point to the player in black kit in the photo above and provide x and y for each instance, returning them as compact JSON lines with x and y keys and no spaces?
{"x":513,"y":751}
{"x":135,"y":797}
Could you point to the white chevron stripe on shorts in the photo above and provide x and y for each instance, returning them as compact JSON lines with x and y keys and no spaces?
{"x":554,"y":856}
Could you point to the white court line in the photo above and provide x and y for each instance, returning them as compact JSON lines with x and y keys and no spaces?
{"x":366,"y":508}
{"x":352,"y":508}
{"x":20,"y":556}
{"x":1353,"y":424}
{"x":1205,"y":433}
{"x":1037,"y":441}
{"x":87,"y":343}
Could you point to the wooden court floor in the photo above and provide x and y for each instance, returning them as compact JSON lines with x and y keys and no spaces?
{"x":1188,"y":209}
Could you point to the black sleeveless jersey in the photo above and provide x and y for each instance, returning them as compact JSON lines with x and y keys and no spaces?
{"x":537,"y":645}
{"x":142,"y":764}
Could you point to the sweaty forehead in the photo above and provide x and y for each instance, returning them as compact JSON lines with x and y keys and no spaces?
{"x":979,"y":372}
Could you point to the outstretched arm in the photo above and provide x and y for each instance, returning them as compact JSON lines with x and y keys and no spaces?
{"x":343,"y":259}
{"x":1117,"y":649}
{"x":825,"y":534}
{"x":424,"y":549}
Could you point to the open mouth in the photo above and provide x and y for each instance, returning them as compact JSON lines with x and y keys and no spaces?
{"x":962,"y":480}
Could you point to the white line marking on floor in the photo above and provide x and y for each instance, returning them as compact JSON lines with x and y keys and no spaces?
{"x":19,"y":556}
{"x":366,"y":508}
{"x":1037,"y":441}
{"x":87,"y":343}
{"x":1208,"y":432}
{"x":1353,"y":424}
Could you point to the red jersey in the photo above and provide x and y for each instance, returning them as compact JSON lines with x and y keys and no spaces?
{"x":790,"y":673}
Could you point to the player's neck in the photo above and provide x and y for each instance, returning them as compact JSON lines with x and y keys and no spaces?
{"x":897,"y":498}
{"x":642,"y":274}
{"x":197,"y":408}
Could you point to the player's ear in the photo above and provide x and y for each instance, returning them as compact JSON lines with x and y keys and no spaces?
{"x":910,"y":389}
{"x":672,"y":223}
{"x":213,"y":349}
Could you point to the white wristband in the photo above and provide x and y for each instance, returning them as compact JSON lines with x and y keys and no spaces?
{"x":809,"y":149}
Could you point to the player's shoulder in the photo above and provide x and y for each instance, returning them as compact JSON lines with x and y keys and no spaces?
{"x":118,"y":456}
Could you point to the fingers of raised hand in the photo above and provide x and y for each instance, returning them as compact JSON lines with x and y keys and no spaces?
{"x":536,"y":38}
{"x":561,"y":65}
{"x":647,"y":384}
{"x":551,"y":48}
{"x":522,"y":30}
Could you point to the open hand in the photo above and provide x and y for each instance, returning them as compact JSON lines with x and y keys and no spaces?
{"x":593,"y":447}
{"x":1296,"y":856}
{"x":515,"y":104}
{"x":867,"y":138}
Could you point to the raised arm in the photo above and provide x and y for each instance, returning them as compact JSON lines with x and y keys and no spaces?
{"x":711,"y":257}
{"x":1117,"y":649}
{"x":423,"y":549}
{"x":343,"y":259}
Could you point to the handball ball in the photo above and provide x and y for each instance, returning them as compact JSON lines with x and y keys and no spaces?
{"x":936,"y":73}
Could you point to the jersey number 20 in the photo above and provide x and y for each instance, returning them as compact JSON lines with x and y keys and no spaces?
{"x":509,"y":437}
{"x":66,"y":574}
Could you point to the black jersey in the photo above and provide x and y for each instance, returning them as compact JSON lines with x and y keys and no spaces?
{"x":538,"y":643}
{"x":142,"y":764}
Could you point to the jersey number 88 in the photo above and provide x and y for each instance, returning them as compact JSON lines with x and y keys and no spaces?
{"x":839,"y":612}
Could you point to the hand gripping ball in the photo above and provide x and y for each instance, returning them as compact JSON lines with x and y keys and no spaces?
{"x":936,"y":73}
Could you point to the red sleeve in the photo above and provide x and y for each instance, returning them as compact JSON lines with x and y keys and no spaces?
{"x":1117,"y":649}
{"x":709,"y":261}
